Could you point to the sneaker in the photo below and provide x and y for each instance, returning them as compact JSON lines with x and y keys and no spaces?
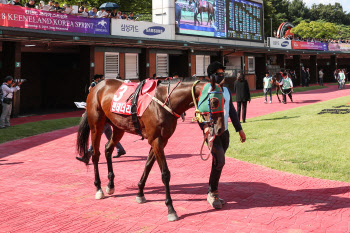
{"x":222,"y":201}
{"x":213,"y":200}
{"x":284,"y":102}
{"x":265,"y":101}
{"x":86,"y":158}
{"x":120,"y":153}
{"x":270,"y":101}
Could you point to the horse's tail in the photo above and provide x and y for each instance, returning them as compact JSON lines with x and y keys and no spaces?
{"x":83,"y":136}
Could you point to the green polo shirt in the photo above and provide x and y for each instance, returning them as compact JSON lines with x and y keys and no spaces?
{"x":267,"y":82}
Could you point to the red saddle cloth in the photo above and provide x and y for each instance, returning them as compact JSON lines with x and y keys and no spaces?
{"x":122,"y":99}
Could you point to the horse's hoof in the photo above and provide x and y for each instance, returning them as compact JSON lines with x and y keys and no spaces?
{"x":173,"y":217}
{"x":141,"y":200}
{"x":99,"y":195}
{"x":110,"y":191}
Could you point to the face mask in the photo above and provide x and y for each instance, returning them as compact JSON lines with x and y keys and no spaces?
{"x":219,"y":77}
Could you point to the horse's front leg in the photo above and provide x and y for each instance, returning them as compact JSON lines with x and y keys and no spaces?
{"x":114,"y":138}
{"x":149,"y":164}
{"x":158,"y":148}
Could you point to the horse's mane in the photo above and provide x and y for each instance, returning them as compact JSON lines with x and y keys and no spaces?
{"x":183,"y":80}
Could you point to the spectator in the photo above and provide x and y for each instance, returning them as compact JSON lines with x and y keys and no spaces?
{"x":102,"y":14}
{"x":242,"y":96}
{"x":154,"y":76}
{"x":320,"y":76}
{"x":123,"y":16}
{"x":8,"y":88}
{"x":41,"y":5}
{"x":303,"y":76}
{"x":67,"y":9}
{"x":131,"y":16}
{"x":114,"y":14}
{"x":307,"y":77}
{"x":85,"y":13}
{"x":93,"y":13}
{"x":268,"y":86}
{"x":17,"y":3}
{"x":119,"y":15}
{"x":30,"y":4}
{"x":56,"y":8}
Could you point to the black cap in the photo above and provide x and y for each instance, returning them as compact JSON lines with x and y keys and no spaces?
{"x":213,"y":67}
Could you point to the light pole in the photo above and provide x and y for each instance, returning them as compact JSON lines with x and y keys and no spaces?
{"x":271,"y":26}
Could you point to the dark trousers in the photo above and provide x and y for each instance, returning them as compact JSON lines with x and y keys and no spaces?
{"x":107,"y":130}
{"x":321,"y":81}
{"x":244,"y":112}
{"x":285,"y":96}
{"x":220,"y":146}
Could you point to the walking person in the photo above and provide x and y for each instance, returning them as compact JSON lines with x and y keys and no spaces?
{"x":241,"y":89}
{"x":320,"y":76}
{"x":267,"y":86}
{"x":287,"y":88}
{"x":8,"y":88}
{"x":221,"y":142}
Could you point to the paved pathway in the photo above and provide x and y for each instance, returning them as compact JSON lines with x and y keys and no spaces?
{"x":44,"y":189}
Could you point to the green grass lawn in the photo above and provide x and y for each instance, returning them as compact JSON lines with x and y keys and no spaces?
{"x":299,"y":141}
{"x":34,"y":128}
{"x":297,"y":89}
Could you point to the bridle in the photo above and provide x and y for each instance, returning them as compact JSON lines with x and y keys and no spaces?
{"x":200,"y":119}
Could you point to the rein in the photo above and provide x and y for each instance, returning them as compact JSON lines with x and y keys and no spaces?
{"x":167,"y":100}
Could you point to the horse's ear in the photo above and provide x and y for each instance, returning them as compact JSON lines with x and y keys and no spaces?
{"x":212,"y":82}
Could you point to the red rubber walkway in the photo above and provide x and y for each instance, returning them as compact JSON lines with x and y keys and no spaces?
{"x":44,"y":189}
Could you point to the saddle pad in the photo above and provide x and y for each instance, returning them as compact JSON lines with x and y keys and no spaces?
{"x":121,"y":103}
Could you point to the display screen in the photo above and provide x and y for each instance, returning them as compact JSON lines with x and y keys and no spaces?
{"x":231,"y":19}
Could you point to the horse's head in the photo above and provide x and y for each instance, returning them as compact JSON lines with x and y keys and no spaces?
{"x":211,"y":108}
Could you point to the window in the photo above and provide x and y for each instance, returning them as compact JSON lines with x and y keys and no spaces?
{"x":131,"y":66}
{"x":251,"y":65}
{"x":162,"y":69}
{"x":111,"y":65}
{"x":202,"y":62}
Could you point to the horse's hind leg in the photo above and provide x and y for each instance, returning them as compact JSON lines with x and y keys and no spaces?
{"x":96,"y":133}
{"x":140,"y":198}
{"x":114,"y":139}
{"x":158,"y":149}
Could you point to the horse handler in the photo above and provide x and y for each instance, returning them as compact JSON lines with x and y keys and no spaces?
{"x":287,"y":88}
{"x":216,"y":70}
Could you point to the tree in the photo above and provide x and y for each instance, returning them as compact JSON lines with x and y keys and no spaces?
{"x":297,"y":9}
{"x":316,"y":29}
{"x":330,"y":13}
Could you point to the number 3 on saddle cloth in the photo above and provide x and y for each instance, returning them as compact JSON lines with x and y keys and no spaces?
{"x":122,"y":100}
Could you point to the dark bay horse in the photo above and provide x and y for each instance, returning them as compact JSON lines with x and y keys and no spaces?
{"x":157,"y":126}
{"x":276,"y":80}
{"x":200,"y":9}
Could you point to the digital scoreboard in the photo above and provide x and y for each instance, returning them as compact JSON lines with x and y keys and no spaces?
{"x":230,"y":19}
{"x":244,"y":19}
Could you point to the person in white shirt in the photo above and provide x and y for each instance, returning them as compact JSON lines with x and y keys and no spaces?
{"x":102,"y":14}
{"x":8,"y":88}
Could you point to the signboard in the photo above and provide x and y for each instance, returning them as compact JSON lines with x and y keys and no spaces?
{"x":230,"y":19}
{"x":21,"y":17}
{"x":280,"y":43}
{"x":309,"y":45}
{"x":141,"y":29}
{"x":339,"y":47}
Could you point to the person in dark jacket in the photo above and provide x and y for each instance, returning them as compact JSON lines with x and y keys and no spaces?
{"x":242,"y":96}
{"x":303,"y":76}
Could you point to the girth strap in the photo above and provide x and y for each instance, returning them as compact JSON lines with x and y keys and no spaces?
{"x":134,"y":117}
